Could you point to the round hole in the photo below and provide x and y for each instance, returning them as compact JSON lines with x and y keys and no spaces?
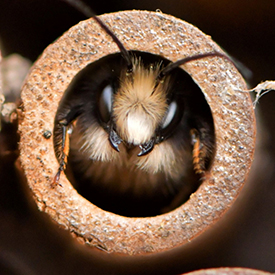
{"x":123,"y":182}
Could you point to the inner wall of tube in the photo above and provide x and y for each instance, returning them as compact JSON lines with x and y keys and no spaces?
{"x":124,"y":193}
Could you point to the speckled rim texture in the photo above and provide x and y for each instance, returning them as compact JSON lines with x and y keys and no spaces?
{"x":228,"y":271}
{"x":219,"y":80}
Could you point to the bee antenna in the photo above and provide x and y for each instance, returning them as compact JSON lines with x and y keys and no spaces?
{"x":87,"y":11}
{"x":182,"y":61}
{"x":123,"y":50}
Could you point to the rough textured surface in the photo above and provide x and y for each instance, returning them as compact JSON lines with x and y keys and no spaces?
{"x":232,"y":111}
{"x":229,"y":271}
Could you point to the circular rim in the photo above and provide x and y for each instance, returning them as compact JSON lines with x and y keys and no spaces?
{"x":229,"y":271}
{"x":219,"y":80}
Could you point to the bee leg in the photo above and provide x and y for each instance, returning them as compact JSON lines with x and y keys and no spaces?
{"x":65,"y":147}
{"x":198,"y":160}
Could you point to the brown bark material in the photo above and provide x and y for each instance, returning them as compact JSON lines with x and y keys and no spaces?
{"x":228,"y":271}
{"x":218,"y":79}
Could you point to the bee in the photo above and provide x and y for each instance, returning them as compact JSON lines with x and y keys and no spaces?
{"x":134,"y":132}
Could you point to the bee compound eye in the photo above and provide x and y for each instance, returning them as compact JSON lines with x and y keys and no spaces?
{"x":105,"y":103}
{"x":170,"y":115}
{"x":171,"y":119}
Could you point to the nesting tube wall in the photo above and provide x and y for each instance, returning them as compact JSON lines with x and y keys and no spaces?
{"x":220,"y":83}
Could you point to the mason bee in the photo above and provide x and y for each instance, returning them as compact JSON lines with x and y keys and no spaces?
{"x":134,"y":132}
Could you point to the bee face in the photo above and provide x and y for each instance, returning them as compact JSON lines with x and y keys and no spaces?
{"x":140,"y":104}
{"x":132,"y":132}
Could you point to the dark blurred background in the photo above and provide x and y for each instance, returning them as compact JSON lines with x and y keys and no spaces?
{"x":29,"y":244}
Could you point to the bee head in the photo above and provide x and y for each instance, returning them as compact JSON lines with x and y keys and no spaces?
{"x":139,"y":105}
{"x":139,"y":108}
